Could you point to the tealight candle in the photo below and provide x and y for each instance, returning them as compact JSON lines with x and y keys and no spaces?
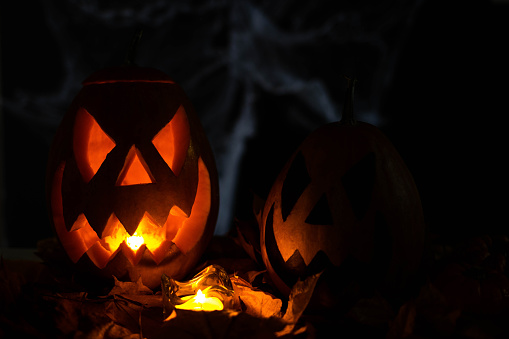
{"x":200,"y":302}
{"x":209,"y":290}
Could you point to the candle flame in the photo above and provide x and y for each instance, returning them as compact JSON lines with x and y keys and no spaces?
{"x":135,"y":241}
{"x":200,"y":297}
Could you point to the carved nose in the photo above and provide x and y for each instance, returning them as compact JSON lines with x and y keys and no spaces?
{"x":135,"y":170}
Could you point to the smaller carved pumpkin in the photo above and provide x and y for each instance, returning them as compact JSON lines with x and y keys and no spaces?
{"x":132,"y":182}
{"x":346,"y":203}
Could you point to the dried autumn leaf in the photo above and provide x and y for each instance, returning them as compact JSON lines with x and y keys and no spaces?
{"x":239,"y":281}
{"x":133,"y":315}
{"x":133,"y":306}
{"x":73,"y":313}
{"x":108,"y":330}
{"x":136,"y":292}
{"x":10,"y":285}
{"x":403,"y":325}
{"x":68,"y":316}
{"x":258,"y":303}
{"x":428,"y":310}
{"x":217,"y":324}
{"x":233,"y":264}
{"x":125,"y":313}
{"x":300,"y":296}
{"x":433,"y":309}
{"x":128,"y":288}
{"x":251,"y":276}
{"x":248,"y":237}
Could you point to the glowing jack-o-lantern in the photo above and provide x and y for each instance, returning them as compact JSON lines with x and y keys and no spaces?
{"x":346,"y":203}
{"x":132,"y":182}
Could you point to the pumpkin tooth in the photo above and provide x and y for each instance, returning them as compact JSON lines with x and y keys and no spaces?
{"x":114,"y":234}
{"x":81,"y":229}
{"x":147,"y":233}
{"x":153,"y":235}
{"x":133,"y":255}
{"x":159,"y":253}
{"x":100,"y":255}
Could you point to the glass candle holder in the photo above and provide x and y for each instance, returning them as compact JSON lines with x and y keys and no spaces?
{"x":209,"y":290}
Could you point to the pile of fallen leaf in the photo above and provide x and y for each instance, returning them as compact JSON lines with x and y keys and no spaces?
{"x":465,"y":294}
{"x":39,"y":299}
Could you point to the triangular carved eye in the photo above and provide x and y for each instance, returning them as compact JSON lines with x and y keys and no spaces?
{"x":135,"y":170}
{"x":172,"y":141}
{"x":91,"y":144}
{"x":321,"y":213}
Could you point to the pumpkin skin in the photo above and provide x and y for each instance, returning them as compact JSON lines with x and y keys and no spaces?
{"x":346,"y":204}
{"x":130,"y":161}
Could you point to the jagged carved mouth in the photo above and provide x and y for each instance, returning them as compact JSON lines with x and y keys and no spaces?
{"x":179,"y":229}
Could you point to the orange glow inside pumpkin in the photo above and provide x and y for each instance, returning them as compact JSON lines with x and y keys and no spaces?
{"x":135,"y":241}
{"x":135,"y":170}
{"x":182,"y":230}
{"x":175,"y":133}
{"x":90,"y":143}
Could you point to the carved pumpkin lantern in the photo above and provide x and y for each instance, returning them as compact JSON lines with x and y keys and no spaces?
{"x":132,"y":182}
{"x":345,"y":203}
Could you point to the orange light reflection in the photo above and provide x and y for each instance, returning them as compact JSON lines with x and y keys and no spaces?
{"x":147,"y":233}
{"x":135,"y":241}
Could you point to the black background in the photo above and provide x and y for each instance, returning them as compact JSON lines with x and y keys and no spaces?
{"x":432,"y":75}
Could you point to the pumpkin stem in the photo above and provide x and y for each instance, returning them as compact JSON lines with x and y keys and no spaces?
{"x":348,"y":116}
{"x":133,"y":47}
